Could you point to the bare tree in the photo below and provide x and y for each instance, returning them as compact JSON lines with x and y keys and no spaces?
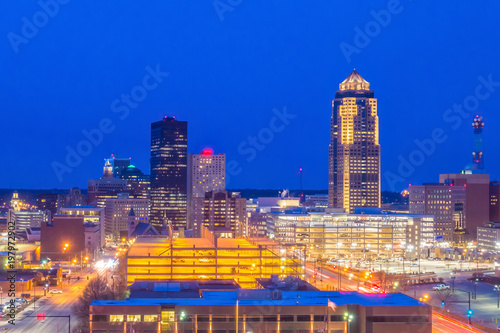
{"x":97,"y":289}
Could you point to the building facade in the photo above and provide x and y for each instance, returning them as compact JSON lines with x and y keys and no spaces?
{"x":261,"y":311}
{"x":477,"y":198}
{"x":357,"y":236}
{"x":354,"y":151}
{"x":101,"y":189}
{"x":222,"y":212}
{"x":138,"y":184}
{"x":62,"y":231}
{"x":207,"y":258}
{"x":448,"y":205}
{"x":23,"y":219}
{"x":168,"y":173}
{"x":90,"y":214}
{"x":488,"y":237}
{"x":117,"y":213}
{"x":206,"y":172}
{"x":51,"y":202}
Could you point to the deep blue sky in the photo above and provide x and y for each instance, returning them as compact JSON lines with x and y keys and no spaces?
{"x":226,"y":77}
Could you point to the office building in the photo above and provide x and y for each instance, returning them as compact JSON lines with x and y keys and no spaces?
{"x":222,"y":212}
{"x":23,"y":219}
{"x":477,"y":198}
{"x":75,"y":198}
{"x":168,"y":173}
{"x":494,"y":201}
{"x":184,"y":307}
{"x":447,"y":203}
{"x":117,"y":212}
{"x":91,"y":215}
{"x":488,"y":237}
{"x":206,"y":257}
{"x":354,"y":151}
{"x":364,"y":235}
{"x":206,"y":172}
{"x":51,"y":202}
{"x":105,"y":188}
{"x":317,"y":200}
{"x":138,"y":184}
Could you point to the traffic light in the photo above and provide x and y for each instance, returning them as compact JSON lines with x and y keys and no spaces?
{"x":469,"y":313}
{"x":442,"y":303}
{"x":40,"y":316}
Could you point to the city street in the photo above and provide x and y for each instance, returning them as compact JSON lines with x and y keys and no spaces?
{"x":55,"y":305}
{"x":485,"y":307}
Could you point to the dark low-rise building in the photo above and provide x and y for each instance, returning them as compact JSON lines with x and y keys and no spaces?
{"x":261,"y":310}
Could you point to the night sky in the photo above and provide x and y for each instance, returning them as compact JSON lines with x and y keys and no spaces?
{"x":238,"y":69}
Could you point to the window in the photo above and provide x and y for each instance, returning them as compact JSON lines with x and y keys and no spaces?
{"x":150,"y":318}
{"x":133,"y":317}
{"x":286,"y":318}
{"x":116,"y":318}
{"x":304,"y":318}
{"x":99,"y":318}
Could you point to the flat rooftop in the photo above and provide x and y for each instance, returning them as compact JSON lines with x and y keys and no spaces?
{"x":155,"y":246}
{"x":253,"y":297}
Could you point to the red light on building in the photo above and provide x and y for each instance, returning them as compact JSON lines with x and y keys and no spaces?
{"x":207,"y":152}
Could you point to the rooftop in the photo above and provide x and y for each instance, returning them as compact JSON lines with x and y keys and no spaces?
{"x":261,"y":297}
{"x":354,"y":82}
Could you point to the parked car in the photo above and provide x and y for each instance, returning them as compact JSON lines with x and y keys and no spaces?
{"x":441,"y":287}
{"x":55,"y":291}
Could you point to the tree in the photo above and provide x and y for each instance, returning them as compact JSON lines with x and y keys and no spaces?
{"x":96,"y":289}
{"x":120,"y":280}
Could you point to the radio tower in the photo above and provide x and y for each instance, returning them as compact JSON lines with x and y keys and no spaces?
{"x":477,"y":154}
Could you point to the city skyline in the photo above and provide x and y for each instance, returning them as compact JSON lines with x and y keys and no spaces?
{"x":211,"y":89}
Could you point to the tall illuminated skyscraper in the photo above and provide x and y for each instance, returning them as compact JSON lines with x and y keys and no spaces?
{"x":168,"y":172}
{"x":354,"y":152}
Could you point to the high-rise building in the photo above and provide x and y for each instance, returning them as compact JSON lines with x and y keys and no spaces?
{"x":206,"y":172}
{"x":117,"y":211}
{"x":222,"y":212}
{"x":168,"y":172}
{"x":101,"y":189}
{"x":354,"y":152}
{"x":448,"y":205}
{"x":138,"y":184}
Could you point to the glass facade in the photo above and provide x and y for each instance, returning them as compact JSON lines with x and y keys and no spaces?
{"x":169,"y":172}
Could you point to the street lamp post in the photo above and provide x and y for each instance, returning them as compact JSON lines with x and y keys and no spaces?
{"x":497,"y":288}
{"x":452,"y":282}
{"x":348,"y":317}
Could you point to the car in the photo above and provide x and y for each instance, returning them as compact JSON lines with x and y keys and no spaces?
{"x":441,"y":287}
{"x":414,"y":265}
{"x":55,"y":291}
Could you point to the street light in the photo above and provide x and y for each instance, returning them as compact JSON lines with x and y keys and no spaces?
{"x":348,"y":317}
{"x":452,"y":282}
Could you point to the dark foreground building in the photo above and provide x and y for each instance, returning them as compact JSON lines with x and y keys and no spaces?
{"x":184,"y":307}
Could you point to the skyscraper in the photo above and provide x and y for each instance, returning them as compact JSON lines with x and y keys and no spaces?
{"x":206,"y":172}
{"x":169,"y":172}
{"x":354,"y":152}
